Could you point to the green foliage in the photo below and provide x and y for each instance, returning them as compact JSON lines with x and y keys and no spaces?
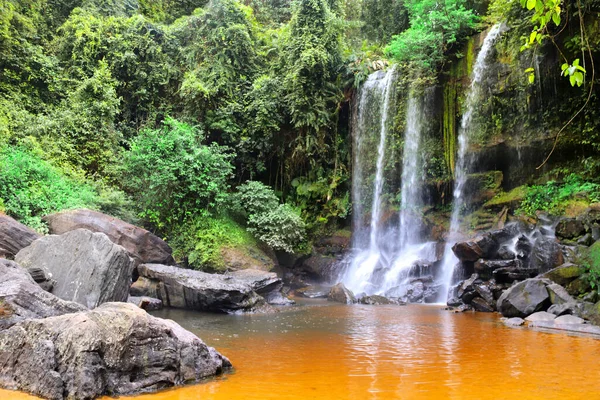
{"x":32,"y":187}
{"x":173,"y":176}
{"x":553,"y":196}
{"x":277,"y":225}
{"x":435,"y":26}
{"x":199,"y":242}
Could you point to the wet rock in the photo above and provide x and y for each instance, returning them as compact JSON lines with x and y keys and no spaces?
{"x":146,"y":303}
{"x":375,"y":300}
{"x":486,"y":294}
{"x":564,"y":274}
{"x":540,"y":316}
{"x":88,"y":268}
{"x":505,"y":253}
{"x":314,"y":291}
{"x":546,"y":255}
{"x":340,"y":294}
{"x":568,"y":320}
{"x":569,"y":228}
{"x":558,"y":294}
{"x":21,"y":298}
{"x":487,"y":267}
{"x":14,"y":236}
{"x":481,"y":305}
{"x":586,"y":240}
{"x":262,"y":282}
{"x":144,"y":246}
{"x":114,"y":350}
{"x":195,"y":290}
{"x":482,"y":247}
{"x":516,"y":321}
{"x":319,"y":266}
{"x":277,"y":298}
{"x":467,"y":286}
{"x":524,"y":298}
{"x":511,"y":274}
{"x":563,"y":309}
{"x":523,"y":247}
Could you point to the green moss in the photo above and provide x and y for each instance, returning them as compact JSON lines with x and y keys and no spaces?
{"x":510,"y":199}
{"x":200,"y":243}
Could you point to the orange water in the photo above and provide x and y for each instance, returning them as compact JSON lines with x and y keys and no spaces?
{"x":326,"y":351}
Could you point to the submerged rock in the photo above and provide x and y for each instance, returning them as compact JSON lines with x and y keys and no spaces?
{"x":516,"y":321}
{"x":196,"y":290}
{"x":340,"y":294}
{"x":21,"y":298}
{"x":14,"y":236}
{"x":144,"y":246}
{"x":114,"y":350}
{"x":376,"y":300}
{"x":524,"y":298}
{"x":88,"y":268}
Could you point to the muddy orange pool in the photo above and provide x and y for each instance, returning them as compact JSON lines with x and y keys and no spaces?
{"x":320,"y":350}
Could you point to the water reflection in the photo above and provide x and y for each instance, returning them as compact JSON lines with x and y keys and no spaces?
{"x":327,"y":351}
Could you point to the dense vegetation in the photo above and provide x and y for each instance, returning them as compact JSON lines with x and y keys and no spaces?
{"x":221,"y":122}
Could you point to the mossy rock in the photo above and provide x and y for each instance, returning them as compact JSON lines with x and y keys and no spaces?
{"x":247,"y":257}
{"x":564,"y":274}
{"x":579,"y":286}
{"x":511,"y":199}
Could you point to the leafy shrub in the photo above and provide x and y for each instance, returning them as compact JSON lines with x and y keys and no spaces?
{"x":32,"y":187}
{"x":281,"y":228}
{"x":553,"y":196}
{"x":277,"y":225}
{"x":172,"y":176}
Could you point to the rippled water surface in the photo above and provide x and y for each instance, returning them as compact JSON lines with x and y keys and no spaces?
{"x":327,"y":351}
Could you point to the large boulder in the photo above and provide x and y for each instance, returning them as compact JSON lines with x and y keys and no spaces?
{"x":21,"y":298}
{"x":569,"y":228}
{"x":87,"y":267}
{"x":524,"y":298}
{"x":266,"y":284}
{"x":14,"y":236}
{"x":114,"y":350}
{"x":341,"y":294}
{"x":144,"y":246}
{"x":546,"y":255}
{"x":196,"y":290}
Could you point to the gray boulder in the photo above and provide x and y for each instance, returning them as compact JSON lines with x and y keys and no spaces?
{"x":564,"y":274}
{"x":516,"y":321}
{"x":524,"y":298}
{"x":546,"y":255}
{"x":341,"y":294}
{"x":146,"y":303}
{"x":568,"y":320}
{"x":114,"y":350}
{"x":21,"y":298}
{"x":481,"y":305}
{"x":196,"y":290}
{"x":88,"y":268}
{"x":472,"y":250}
{"x":14,"y":236}
{"x":541,"y":316}
{"x":266,"y":284}
{"x":563,"y":309}
{"x":144,"y":246}
{"x":559,"y":295}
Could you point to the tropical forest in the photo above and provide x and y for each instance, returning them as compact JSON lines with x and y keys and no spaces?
{"x":299,"y":199}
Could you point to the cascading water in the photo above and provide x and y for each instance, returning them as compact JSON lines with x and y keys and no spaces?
{"x":384,"y":253}
{"x":467,"y":127}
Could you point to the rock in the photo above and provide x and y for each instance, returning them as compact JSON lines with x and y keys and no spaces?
{"x":144,"y":287}
{"x":558,"y":294}
{"x":487,"y":267}
{"x":590,"y":312}
{"x":481,"y":305}
{"x":569,"y":228}
{"x":248,"y":257}
{"x":564,"y":274}
{"x":340,"y":294}
{"x":196,"y":290}
{"x":505,"y":253}
{"x":591,"y":297}
{"x":511,"y":274}
{"x":146,"y":303}
{"x":482,"y":247}
{"x":568,"y":320}
{"x":375,"y":300}
{"x":21,"y":298}
{"x":514,"y":321}
{"x":319,"y":266}
{"x":579,"y":286}
{"x":467,"y":286}
{"x":144,"y":246}
{"x":546,"y":255}
{"x":524,"y":298}
{"x":14,"y":236}
{"x":266,"y":284}
{"x":314,"y":291}
{"x":88,"y":268}
{"x":114,"y":350}
{"x":563,"y":309}
{"x":486,"y":294}
{"x":540,"y":316}
{"x":586,"y":240}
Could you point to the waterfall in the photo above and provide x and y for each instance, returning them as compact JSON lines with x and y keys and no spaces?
{"x":467,"y":127}
{"x":385,"y":255}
